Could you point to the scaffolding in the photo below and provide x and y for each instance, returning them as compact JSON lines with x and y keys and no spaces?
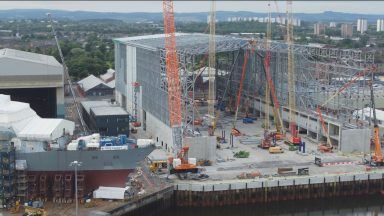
{"x":22,"y":185}
{"x":57,"y":188}
{"x":8,"y":176}
{"x":68,"y":188}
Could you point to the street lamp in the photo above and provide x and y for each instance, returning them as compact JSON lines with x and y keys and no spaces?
{"x":76,"y":164}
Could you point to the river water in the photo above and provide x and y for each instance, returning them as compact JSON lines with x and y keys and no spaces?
{"x":361,"y":206}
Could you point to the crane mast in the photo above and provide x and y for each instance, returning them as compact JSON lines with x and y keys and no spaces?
{"x":294,"y":139}
{"x":173,"y":77}
{"x":267,"y":86}
{"x":212,"y":62}
{"x":66,"y":74}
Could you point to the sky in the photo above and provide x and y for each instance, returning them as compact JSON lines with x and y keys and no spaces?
{"x":363,"y":7}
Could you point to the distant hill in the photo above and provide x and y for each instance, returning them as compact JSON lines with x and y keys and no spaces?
{"x":201,"y":17}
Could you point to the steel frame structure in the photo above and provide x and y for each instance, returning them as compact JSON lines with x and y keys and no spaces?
{"x":319,"y":72}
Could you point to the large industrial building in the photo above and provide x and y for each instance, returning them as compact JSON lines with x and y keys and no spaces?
{"x":35,"y":79}
{"x":320,"y":72}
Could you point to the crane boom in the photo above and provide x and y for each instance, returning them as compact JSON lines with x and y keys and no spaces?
{"x":66,"y":74}
{"x":239,"y":91}
{"x":173,"y":77}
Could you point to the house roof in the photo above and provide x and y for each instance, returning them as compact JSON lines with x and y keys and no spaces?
{"x":108,"y":75}
{"x":112,"y":84}
{"x":90,"y":82}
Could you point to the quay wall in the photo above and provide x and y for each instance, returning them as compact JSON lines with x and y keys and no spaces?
{"x":277,"y":189}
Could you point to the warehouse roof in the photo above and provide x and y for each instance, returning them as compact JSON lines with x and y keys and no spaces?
{"x":29,"y":56}
{"x":92,"y":104}
{"x":108,"y":110}
{"x":90,"y":82}
{"x":193,"y":43}
{"x":21,"y":69}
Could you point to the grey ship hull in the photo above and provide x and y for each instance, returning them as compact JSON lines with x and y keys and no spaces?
{"x":53,"y":161}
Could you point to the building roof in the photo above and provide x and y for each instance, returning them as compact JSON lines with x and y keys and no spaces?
{"x":102,"y":108}
{"x":90,"y":82}
{"x":21,"y":69}
{"x":112,"y":84}
{"x":108,"y":75}
{"x":108,"y":111}
{"x":193,"y":43}
{"x":29,"y":56}
{"x":92,"y":104}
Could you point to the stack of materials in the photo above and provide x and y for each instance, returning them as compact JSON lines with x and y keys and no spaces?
{"x":109,"y":193}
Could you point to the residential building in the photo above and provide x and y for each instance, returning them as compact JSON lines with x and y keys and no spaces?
{"x":332,"y":24}
{"x":362,"y":25}
{"x":380,"y":25}
{"x":319,"y":29}
{"x":346,"y":30}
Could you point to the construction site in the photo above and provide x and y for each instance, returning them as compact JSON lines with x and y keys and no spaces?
{"x":257,"y":120}
{"x":219,"y":119}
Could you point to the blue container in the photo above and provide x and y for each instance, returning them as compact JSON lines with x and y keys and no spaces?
{"x":30,"y":203}
{"x":123,"y":139}
{"x":131,"y":141}
{"x":107,"y":142}
{"x":81,"y":145}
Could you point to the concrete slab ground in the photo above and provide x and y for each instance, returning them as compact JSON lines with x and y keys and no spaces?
{"x":227,"y":167}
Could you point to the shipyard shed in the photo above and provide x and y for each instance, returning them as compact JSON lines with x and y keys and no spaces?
{"x":105,"y":118}
{"x":35,"y":79}
{"x":33,"y":133}
{"x":93,"y":86}
{"x":142,"y":60}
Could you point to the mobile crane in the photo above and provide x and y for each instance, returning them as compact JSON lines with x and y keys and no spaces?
{"x":377,"y":156}
{"x":181,"y":165}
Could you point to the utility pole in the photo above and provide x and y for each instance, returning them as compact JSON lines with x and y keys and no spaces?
{"x":76,"y":164}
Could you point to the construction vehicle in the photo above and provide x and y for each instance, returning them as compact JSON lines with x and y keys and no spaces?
{"x":268,"y":141}
{"x":68,"y":77}
{"x":33,"y":211}
{"x":279,"y":134}
{"x":16,"y":208}
{"x":174,"y":94}
{"x":377,"y":156}
{"x":275,"y":149}
{"x":182,"y":163}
